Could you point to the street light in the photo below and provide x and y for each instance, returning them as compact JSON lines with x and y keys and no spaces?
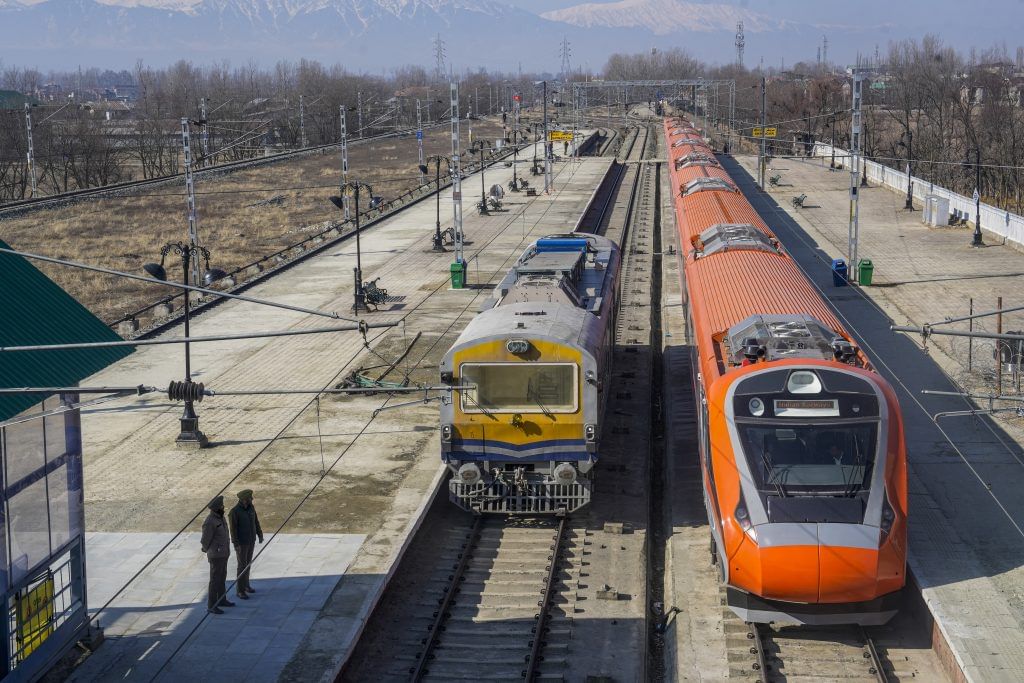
{"x":437,"y":159}
{"x":976,"y":241}
{"x":832,"y":125}
{"x":354,"y":187}
{"x":190,"y":434}
{"x":909,"y":145}
{"x":517,"y":137}
{"x":480,"y":146}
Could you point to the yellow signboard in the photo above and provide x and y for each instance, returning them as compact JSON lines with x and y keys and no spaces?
{"x":768,"y":132}
{"x":757,"y":132}
{"x":560,"y":136}
{"x":35,"y":617}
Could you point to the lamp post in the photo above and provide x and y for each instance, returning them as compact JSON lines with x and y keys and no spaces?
{"x":977,"y":241}
{"x":517,"y":136}
{"x":479,"y":147}
{"x":832,"y":125}
{"x":437,"y":159}
{"x":909,"y":144}
{"x":353,"y":187}
{"x":190,"y":435}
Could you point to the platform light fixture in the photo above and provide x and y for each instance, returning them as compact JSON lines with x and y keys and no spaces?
{"x":190,"y":434}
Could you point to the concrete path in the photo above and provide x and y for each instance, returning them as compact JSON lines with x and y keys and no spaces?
{"x":163,"y":609}
{"x":966,"y":474}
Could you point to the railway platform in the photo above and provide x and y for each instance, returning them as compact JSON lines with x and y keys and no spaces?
{"x":340,"y":487}
{"x":966,"y":473}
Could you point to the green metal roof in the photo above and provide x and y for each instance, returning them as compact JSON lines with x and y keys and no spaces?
{"x":12,"y":99}
{"x":34,"y":310}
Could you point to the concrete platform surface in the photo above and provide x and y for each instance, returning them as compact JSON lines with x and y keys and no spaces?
{"x":163,"y":610}
{"x":966,"y":473}
{"x":332,"y":468}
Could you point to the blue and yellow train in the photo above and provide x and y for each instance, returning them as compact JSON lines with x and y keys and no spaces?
{"x":523,"y":432}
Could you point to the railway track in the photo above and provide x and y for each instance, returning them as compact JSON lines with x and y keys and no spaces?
{"x":24,"y":205}
{"x":506,"y":603}
{"x":789,"y":653}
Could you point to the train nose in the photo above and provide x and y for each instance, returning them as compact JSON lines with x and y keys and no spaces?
{"x":809,"y":569}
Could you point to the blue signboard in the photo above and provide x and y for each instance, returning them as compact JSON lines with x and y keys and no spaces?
{"x":419,"y":135}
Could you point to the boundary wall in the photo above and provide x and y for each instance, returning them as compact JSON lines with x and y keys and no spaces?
{"x":999,"y":222}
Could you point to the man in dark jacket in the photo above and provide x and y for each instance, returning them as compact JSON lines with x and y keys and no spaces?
{"x":245,"y":531}
{"x":215,"y":545}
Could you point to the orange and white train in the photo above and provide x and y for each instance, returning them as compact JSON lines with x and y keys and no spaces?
{"x":801,"y":440}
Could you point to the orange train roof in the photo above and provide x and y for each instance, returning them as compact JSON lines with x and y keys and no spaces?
{"x":728,"y":287}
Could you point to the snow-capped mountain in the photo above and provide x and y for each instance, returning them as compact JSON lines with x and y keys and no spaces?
{"x":362,"y":34}
{"x":662,"y":17}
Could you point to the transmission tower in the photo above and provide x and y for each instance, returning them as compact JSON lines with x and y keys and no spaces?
{"x":741,"y":43}
{"x":824,"y":50}
{"x":439,"y":55}
{"x":566,"y":53}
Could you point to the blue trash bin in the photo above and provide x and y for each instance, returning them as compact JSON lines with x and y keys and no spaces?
{"x":839,"y":272}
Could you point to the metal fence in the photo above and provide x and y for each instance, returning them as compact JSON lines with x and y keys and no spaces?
{"x":1007,"y":225}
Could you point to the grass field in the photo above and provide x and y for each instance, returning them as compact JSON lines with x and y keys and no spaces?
{"x":243,"y":216}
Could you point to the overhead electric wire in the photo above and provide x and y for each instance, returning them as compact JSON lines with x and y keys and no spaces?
{"x":512,"y":254}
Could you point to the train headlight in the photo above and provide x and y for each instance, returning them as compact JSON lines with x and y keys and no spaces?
{"x":742,"y":517}
{"x":469,"y":473}
{"x":756,"y":406}
{"x":517,"y":346}
{"x":804,"y":382}
{"x":564,"y":473}
{"x":888,"y":518}
{"x":446,"y":432}
{"x":590,"y":432}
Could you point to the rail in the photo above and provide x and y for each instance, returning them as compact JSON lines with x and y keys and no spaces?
{"x":433,"y":636}
{"x":814,"y":648}
{"x":534,"y":659}
{"x":34,"y":203}
{"x":280,"y":257}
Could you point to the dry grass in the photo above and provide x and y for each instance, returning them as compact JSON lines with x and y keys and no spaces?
{"x":235,"y":222}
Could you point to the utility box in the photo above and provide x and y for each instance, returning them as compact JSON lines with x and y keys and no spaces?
{"x":936,"y":210}
{"x":458,"y":272}
{"x":839,"y":274}
{"x":865,"y":271}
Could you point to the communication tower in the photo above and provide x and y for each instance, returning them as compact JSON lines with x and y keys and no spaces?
{"x":741,"y":43}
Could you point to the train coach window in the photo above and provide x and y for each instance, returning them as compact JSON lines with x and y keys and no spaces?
{"x":811,"y":459}
{"x":520,"y":387}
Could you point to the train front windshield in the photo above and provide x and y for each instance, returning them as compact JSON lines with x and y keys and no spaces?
{"x":822,"y":459}
{"x":519,"y":387}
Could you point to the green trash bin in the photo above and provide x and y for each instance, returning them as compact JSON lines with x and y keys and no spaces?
{"x":865,"y":271}
{"x":458,"y":271}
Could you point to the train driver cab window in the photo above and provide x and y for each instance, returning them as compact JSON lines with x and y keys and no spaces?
{"x":519,"y":387}
{"x":817,"y":459}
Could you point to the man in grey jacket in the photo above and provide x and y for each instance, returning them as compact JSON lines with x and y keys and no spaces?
{"x":245,"y":528}
{"x":217,"y":546}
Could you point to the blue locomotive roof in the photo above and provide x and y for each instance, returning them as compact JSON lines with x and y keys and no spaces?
{"x":574,"y":269}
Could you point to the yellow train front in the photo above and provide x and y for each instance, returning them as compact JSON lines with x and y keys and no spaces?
{"x":522,"y":432}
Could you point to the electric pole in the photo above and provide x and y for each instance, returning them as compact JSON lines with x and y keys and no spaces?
{"x":419,"y":143}
{"x":824,"y":50}
{"x":855,"y":162}
{"x":302,"y":121}
{"x":204,"y":132}
{"x":763,"y":159}
{"x":190,"y":191}
{"x":458,"y":268}
{"x":566,"y":54}
{"x":359,"y":111}
{"x":344,"y":159}
{"x":547,"y":145}
{"x":439,"y":58}
{"x":31,"y":150}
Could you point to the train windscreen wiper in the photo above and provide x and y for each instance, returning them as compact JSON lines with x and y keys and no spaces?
{"x":535,"y":395}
